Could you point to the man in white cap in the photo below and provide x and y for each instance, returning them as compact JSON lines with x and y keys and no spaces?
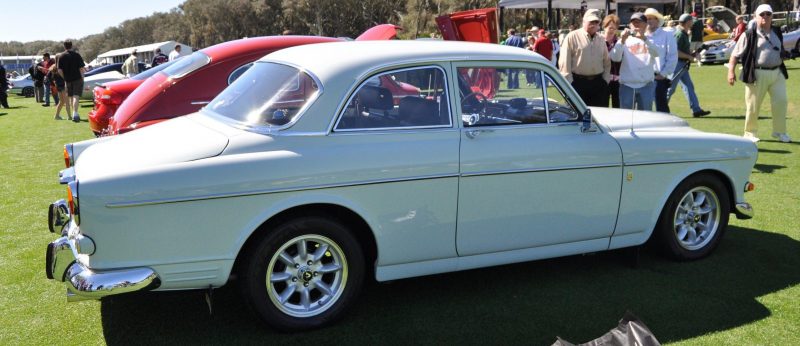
{"x":584,"y":61}
{"x":761,"y":51}
{"x":667,"y":57}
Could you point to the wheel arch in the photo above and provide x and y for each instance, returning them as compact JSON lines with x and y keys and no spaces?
{"x":725,"y":179}
{"x":352,"y":220}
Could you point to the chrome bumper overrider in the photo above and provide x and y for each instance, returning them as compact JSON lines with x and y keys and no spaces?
{"x":66,"y":260}
{"x":744,"y":211}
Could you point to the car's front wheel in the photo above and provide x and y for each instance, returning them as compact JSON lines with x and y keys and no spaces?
{"x":303,"y":274}
{"x":27,"y":91}
{"x":694,"y":219}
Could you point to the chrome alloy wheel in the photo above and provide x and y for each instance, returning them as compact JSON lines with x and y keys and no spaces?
{"x":696,"y":218}
{"x":306,"y":276}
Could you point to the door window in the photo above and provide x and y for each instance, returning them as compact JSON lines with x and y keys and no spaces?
{"x":501,"y":96}
{"x":409,"y":98}
{"x":560,"y":109}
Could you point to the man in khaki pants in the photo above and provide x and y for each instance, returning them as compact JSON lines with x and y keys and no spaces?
{"x":763,"y":71}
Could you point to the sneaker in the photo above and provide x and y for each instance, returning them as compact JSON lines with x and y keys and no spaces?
{"x":76,"y":118}
{"x":58,"y":117}
{"x":45,"y":105}
{"x":701,"y":113}
{"x":782,"y":137}
{"x":751,"y":137}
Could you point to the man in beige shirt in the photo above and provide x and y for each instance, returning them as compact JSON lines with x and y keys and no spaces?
{"x":584,"y":61}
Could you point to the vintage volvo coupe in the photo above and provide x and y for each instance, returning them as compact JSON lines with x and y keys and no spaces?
{"x":307,"y":181}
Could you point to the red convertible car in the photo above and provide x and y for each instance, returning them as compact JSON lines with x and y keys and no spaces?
{"x":191,"y":82}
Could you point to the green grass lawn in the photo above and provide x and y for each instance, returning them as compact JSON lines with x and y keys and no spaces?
{"x":746,"y":293}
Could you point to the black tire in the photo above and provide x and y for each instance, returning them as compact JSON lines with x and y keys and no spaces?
{"x":263,"y":296}
{"x":27,"y":91}
{"x":675,"y":227}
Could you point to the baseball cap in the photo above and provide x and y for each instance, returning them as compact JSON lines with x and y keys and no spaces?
{"x":591,"y":15}
{"x":638,"y":16}
{"x":684,"y":17}
{"x":763,"y":8}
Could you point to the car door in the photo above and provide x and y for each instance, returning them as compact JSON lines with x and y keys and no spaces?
{"x":529,"y":176}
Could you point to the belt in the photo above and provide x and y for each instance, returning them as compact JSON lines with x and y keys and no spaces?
{"x":580,"y":76}
{"x":767,"y":68}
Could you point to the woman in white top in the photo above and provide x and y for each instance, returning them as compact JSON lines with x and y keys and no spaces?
{"x":637,"y":56}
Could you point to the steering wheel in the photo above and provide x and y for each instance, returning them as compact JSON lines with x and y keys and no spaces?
{"x":478,"y":96}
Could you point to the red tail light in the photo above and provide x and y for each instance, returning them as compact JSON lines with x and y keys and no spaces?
{"x":109,"y":97}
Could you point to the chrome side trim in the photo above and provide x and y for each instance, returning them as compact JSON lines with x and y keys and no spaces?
{"x":269,"y":191}
{"x":546,"y":169}
{"x":662,"y":162}
{"x":744,"y":211}
{"x":199,"y":102}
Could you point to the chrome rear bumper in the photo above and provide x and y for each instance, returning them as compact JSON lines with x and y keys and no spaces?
{"x":744,"y":211}
{"x":66,"y":260}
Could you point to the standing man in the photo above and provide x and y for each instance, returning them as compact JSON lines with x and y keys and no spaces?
{"x":697,"y":34}
{"x":667,"y":57}
{"x":763,"y":71}
{"x":685,"y":59}
{"x":739,"y":29}
{"x":71,"y":68}
{"x":513,"y":74}
{"x":44,"y":68}
{"x":38,"y":81}
{"x":176,"y":53}
{"x":131,"y":65}
{"x":584,"y":61}
{"x":158,"y":58}
{"x":3,"y":87}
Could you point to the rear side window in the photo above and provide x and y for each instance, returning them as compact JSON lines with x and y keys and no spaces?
{"x":238,"y":72}
{"x":186,"y":65}
{"x":400,"y":99}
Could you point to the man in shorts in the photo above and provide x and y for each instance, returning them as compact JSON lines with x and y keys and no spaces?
{"x":71,"y":67}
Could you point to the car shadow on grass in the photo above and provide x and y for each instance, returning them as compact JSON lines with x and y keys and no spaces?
{"x":773,"y":151}
{"x":763,"y":168}
{"x":577,"y":298}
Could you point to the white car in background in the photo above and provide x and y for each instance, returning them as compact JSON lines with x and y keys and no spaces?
{"x":99,"y":79}
{"x":22,"y":85}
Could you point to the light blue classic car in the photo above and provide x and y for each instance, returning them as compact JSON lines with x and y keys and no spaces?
{"x":309,"y":173}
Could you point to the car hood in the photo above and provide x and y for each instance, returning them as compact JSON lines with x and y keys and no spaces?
{"x":625,"y":120}
{"x":178,"y":140}
{"x":475,"y":25}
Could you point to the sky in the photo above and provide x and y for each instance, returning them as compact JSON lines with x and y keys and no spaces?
{"x":57,"y":20}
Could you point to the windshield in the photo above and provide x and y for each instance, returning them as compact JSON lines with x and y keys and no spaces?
{"x":268,"y":94}
{"x":146,"y":74}
{"x":186,"y":65}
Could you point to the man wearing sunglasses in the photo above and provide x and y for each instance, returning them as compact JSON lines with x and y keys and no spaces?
{"x":761,"y":51}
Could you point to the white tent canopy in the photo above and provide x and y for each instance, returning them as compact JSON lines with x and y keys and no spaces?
{"x":143,"y":52}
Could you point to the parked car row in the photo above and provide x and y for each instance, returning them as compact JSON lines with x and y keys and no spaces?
{"x":306,"y":170}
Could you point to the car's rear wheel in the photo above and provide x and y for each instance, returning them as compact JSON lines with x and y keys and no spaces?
{"x":27,"y":91}
{"x":694,"y":219}
{"x":303,"y":274}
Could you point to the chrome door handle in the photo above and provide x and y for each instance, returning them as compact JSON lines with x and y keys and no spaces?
{"x":471,"y":134}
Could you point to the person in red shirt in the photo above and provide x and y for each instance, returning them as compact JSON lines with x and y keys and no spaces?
{"x":543,"y":45}
{"x":739,"y":29}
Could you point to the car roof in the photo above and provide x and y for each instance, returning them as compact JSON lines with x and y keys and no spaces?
{"x":329,"y":59}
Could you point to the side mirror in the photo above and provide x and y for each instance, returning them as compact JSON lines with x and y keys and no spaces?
{"x":586,"y":122}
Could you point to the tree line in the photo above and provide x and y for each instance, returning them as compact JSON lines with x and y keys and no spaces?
{"x":202,"y":23}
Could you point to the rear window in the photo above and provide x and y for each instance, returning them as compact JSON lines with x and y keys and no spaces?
{"x":266,"y":95}
{"x":146,"y":74}
{"x":186,"y":65}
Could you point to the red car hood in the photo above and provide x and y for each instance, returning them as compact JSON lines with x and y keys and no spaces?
{"x":380,"y":33}
{"x":475,"y":26}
